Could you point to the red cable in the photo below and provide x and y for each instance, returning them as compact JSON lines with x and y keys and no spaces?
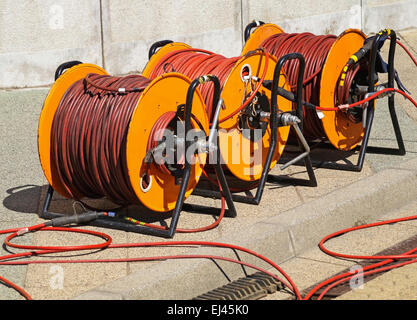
{"x":372,"y":97}
{"x":377,"y":267}
{"x":182,"y":230}
{"x":16,"y":287}
{"x":315,"y":50}
{"x":408,"y":52}
{"x":340,"y":232}
{"x":196,"y":62}
{"x":41,"y":250}
{"x":379,"y":270}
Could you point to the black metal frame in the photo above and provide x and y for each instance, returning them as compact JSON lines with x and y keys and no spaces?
{"x":157,"y":45}
{"x":114,"y":222}
{"x":364,"y":148}
{"x":265,"y":176}
{"x":249,"y":28}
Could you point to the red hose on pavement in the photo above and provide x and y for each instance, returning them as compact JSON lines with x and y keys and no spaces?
{"x":42,"y":250}
{"x":371,"y":269}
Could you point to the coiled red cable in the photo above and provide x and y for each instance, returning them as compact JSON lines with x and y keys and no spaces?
{"x":315,"y":50}
{"x":197,"y":62}
{"x":88,"y":137}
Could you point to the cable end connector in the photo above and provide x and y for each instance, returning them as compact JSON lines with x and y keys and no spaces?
{"x":22,"y":231}
{"x":205,"y":78}
{"x":76,"y":219}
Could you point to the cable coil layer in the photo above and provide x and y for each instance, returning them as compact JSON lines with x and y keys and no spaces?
{"x":89,"y":137}
{"x":194,"y":63}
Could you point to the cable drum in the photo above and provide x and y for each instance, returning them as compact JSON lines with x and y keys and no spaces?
{"x":241,"y":79}
{"x":101,"y":130}
{"x":89,"y":137}
{"x":325,"y":83}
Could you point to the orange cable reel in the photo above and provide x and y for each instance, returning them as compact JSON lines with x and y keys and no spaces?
{"x":244,"y":140}
{"x":343,"y":128}
{"x":105,"y":151}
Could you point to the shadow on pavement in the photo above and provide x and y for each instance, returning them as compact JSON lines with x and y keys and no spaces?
{"x":30,"y":199}
{"x":23,"y":199}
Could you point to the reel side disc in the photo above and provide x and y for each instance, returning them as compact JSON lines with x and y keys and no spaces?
{"x":341,"y":132}
{"x":258,"y":36}
{"x":164,"y":94}
{"x":50,"y":106}
{"x":243,"y":154}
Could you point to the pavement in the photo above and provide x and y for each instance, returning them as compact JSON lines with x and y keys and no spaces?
{"x":285,"y":227}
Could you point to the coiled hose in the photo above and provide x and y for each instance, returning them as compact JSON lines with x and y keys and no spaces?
{"x":197,"y":62}
{"x":88,"y":137}
{"x":315,"y":50}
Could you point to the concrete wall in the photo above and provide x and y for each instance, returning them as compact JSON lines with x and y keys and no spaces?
{"x":130,"y":27}
{"x":37,"y":35}
{"x":317,"y":16}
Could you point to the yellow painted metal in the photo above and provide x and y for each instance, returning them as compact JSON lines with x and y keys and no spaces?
{"x":157,"y":56}
{"x":165,"y":93}
{"x":240,"y":154}
{"x":260,"y":34}
{"x":341,"y":132}
{"x":51,"y":103}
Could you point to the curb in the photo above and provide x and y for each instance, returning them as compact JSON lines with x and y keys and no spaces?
{"x":279,"y":238}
